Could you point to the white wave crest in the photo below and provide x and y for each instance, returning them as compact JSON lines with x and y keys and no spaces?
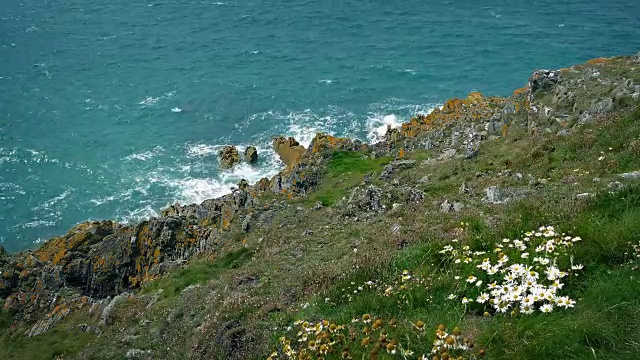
{"x":201,"y":150}
{"x":140,"y":214}
{"x":36,"y":223}
{"x":150,"y":101}
{"x":377,"y":126}
{"x":146,"y":155}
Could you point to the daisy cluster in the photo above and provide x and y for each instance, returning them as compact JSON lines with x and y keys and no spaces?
{"x":517,"y":276}
{"x":369,"y":335}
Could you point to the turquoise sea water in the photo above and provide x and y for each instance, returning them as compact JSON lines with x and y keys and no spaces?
{"x":114,"y":109}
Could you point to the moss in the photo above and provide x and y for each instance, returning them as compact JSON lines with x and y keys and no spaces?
{"x":197,"y":272}
{"x":345,"y":170}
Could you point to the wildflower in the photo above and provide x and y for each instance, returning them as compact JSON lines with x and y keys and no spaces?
{"x":451,"y":296}
{"x":565,"y":302}
{"x":471,"y":279}
{"x":406,"y":353}
{"x":546,"y":308}
{"x":405,"y":275}
{"x":577,"y":267}
{"x":366,"y":318}
{"x":365,"y":342}
{"x":391,"y":348}
{"x":419,"y":325}
{"x":482,"y":298}
{"x":465,"y":300}
{"x":502,"y":306}
{"x":526,"y":308}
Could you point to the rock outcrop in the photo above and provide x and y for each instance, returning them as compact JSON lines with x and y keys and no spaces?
{"x":251,"y":154}
{"x":288,"y":149}
{"x":228,"y":156}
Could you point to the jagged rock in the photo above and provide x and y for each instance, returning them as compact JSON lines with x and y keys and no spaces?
{"x":597,"y":108}
{"x":243,"y":184}
{"x":396,"y":166}
{"x":464,"y":189}
{"x":250,"y":154}
{"x":105,"y":317}
{"x":246,"y":223}
{"x":47,"y":323}
{"x":584,"y":196}
{"x":367,"y":199}
{"x":543,"y":80}
{"x":138,"y":354}
{"x":412,"y":195}
{"x":447,"y":207}
{"x":631,"y":175}
{"x":326,"y":144}
{"x":89,"y":329}
{"x":424,"y":180}
{"x":288,"y":149}
{"x":493,"y":195}
{"x":447,"y":154}
{"x":615,"y":186}
{"x":318,"y":205}
{"x":228,"y":156}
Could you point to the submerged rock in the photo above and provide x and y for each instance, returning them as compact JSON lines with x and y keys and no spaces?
{"x":228,"y":156}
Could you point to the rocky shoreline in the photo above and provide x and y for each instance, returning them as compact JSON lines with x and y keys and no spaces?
{"x":91,"y":266}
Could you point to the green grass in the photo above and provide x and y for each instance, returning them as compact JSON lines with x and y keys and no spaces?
{"x":605,"y":323}
{"x":64,"y":339}
{"x":50,"y":345}
{"x":345,"y":170}
{"x":197,"y":272}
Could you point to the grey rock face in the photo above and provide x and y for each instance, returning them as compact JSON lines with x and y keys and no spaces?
{"x":543,"y":80}
{"x":396,"y":166}
{"x":631,"y":175}
{"x":493,"y":195}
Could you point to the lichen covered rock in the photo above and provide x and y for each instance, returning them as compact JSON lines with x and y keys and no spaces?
{"x":228,"y":156}
{"x":251,"y":154}
{"x":288,"y":149}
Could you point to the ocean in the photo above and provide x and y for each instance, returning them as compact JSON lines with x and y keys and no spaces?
{"x":114,"y":110}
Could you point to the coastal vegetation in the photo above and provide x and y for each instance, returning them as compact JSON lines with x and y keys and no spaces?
{"x":494,"y":228}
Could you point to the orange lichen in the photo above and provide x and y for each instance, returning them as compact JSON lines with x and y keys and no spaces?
{"x":156,"y":255}
{"x":599,"y":60}
{"x":519,"y":91}
{"x":505,"y":130}
{"x":474,"y":107}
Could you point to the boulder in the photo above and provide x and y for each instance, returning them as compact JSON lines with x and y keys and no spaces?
{"x":288,"y":149}
{"x":543,"y":80}
{"x":631,"y":175}
{"x":251,"y":154}
{"x":493,"y":195}
{"x":228,"y":156}
{"x":396,"y":166}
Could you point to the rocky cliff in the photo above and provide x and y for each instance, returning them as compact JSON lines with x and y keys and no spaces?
{"x":95,"y":262}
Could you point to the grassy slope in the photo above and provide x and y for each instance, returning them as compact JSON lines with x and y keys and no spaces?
{"x":268,"y":285}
